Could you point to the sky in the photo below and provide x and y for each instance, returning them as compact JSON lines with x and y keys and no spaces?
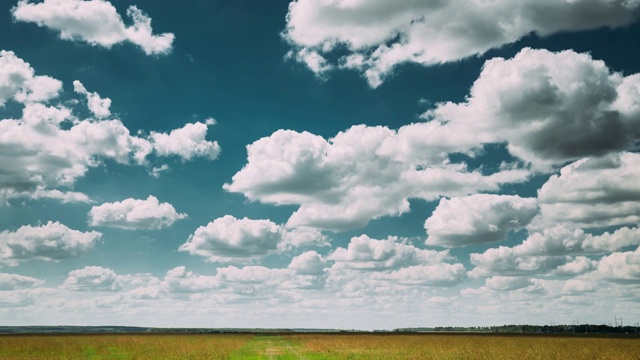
{"x":352,"y":164}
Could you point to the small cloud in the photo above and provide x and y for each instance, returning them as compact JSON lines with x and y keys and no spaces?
{"x":133,"y":214}
{"x":97,"y":105}
{"x":156,"y":171}
{"x":187,"y":142}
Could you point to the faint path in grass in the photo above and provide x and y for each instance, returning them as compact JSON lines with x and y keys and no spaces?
{"x":268,"y":347}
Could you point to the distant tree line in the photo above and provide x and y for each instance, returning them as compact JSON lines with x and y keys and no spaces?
{"x":532,"y":329}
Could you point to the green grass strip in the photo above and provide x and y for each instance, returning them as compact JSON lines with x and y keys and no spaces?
{"x":268,"y":347}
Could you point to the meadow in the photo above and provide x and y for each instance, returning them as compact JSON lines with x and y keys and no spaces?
{"x":314,"y":346}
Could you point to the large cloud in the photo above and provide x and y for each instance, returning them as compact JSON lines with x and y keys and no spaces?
{"x":548,"y":107}
{"x":593,"y":192}
{"x":49,"y":148}
{"x":52,"y":242}
{"x":228,"y":239}
{"x":94,"y":21}
{"x":379,"y":34}
{"x":361,"y":174}
{"x":132,"y":214}
{"x":477,"y":219}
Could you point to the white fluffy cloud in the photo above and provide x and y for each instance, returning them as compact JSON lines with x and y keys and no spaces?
{"x":367,"y":254}
{"x":94,"y":21}
{"x":18,"y":81}
{"x":378,"y":35}
{"x":179,"y":280}
{"x":97,"y":105}
{"x":186,"y":142}
{"x":551,"y":251}
{"x":622,"y":267}
{"x":593,"y":192}
{"x":228,"y":239}
{"x":308,"y":263}
{"x":548,"y":107}
{"x":48,"y":148}
{"x":579,"y":265}
{"x":442,"y":274}
{"x":51,"y":242}
{"x":477,"y":219}
{"x":93,"y":278}
{"x":361,"y":174}
{"x":133,"y":214}
{"x":39,"y":154}
{"x":15,"y":281}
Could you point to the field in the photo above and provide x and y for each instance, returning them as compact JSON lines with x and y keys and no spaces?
{"x":316,"y":346}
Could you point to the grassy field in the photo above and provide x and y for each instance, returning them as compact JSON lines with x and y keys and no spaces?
{"x":316,"y":346}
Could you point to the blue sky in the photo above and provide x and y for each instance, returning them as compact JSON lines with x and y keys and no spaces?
{"x":333,"y":164}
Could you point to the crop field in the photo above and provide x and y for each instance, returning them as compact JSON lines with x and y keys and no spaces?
{"x":316,"y":346}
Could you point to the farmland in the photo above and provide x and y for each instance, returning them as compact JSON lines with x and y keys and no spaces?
{"x":314,"y":346}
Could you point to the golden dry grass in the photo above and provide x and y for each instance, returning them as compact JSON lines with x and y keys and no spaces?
{"x":464,"y":346}
{"x":317,"y":346}
{"x":121,"y":346}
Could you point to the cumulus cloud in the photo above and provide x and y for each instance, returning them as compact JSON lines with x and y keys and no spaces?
{"x":51,"y":242}
{"x":442,"y":274}
{"x":367,"y":254}
{"x":503,"y":261}
{"x":18,"y":81}
{"x":228,"y":239}
{"x":579,"y":265}
{"x":48,"y":148}
{"x":186,"y":142}
{"x":93,"y":278}
{"x":308,"y":263}
{"x":40,"y":154}
{"x":507,"y":283}
{"x":478,"y":219}
{"x":179,"y":280}
{"x":95,"y":22}
{"x":593,"y":192}
{"x":374,"y":37}
{"x":263,"y":282}
{"x":578,"y":286}
{"x":97,"y":105}
{"x":621,"y":267}
{"x":133,"y":214}
{"x":361,"y":174}
{"x":548,"y":107}
{"x":551,"y":251}
{"x":14,"y":281}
